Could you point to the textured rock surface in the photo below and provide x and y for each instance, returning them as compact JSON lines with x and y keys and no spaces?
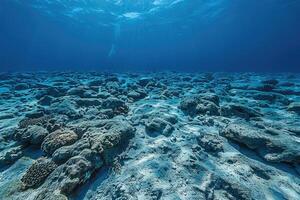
{"x":33,"y":134}
{"x":271,"y":144}
{"x":92,"y":136}
{"x":38,"y":172}
{"x":58,"y":139}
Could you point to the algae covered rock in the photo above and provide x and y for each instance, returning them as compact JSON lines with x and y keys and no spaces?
{"x":57,"y":139}
{"x":200,"y":104}
{"x":24,"y":123}
{"x":211,"y":143}
{"x":65,"y":107}
{"x":238,"y":110}
{"x":64,"y":153}
{"x":159,"y":126}
{"x":34,"y":135}
{"x":10,"y":155}
{"x":117,"y":105}
{"x":21,"y":86}
{"x":294,"y":107}
{"x":46,"y":100}
{"x":279,"y":147}
{"x":38,"y":172}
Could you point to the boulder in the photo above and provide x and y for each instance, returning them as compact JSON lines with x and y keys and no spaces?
{"x":57,"y":139}
{"x":273,"y":146}
{"x":137,"y":95}
{"x":200,"y":104}
{"x":144,"y":81}
{"x":33,"y":134}
{"x":46,"y":100}
{"x":77,"y":91}
{"x":157,"y":126}
{"x":64,"y":153}
{"x":10,"y":155}
{"x":211,"y":143}
{"x":117,"y":105}
{"x":38,"y":172}
{"x":66,"y":107}
{"x":21,"y":86}
{"x":238,"y":110}
{"x":87,"y":102}
{"x":294,"y":107}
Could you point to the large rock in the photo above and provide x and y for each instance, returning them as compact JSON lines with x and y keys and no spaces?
{"x":40,"y":121}
{"x":107,"y":138}
{"x":294,"y":107}
{"x":211,"y":143}
{"x":137,"y":95}
{"x":64,"y":153}
{"x":110,"y":138}
{"x":158,"y":126}
{"x":21,"y":86}
{"x":238,"y":110}
{"x":46,"y":100}
{"x":272,"y":145}
{"x":97,"y":147}
{"x":66,"y":107}
{"x":200,"y":104}
{"x":57,"y":139}
{"x":34,"y":135}
{"x":86,"y":102}
{"x":77,"y":91}
{"x":269,"y":97}
{"x":38,"y":172}
{"x":144,"y":81}
{"x":10,"y":155}
{"x":117,"y":105}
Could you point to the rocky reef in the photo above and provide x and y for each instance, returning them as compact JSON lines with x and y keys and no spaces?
{"x":167,"y":135}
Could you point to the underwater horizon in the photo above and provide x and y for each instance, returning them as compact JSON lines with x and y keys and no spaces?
{"x":150,"y":35}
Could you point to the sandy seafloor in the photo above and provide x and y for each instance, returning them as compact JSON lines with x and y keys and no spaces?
{"x":98,"y":136}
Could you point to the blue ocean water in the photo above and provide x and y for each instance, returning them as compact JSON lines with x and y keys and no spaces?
{"x":122,"y":35}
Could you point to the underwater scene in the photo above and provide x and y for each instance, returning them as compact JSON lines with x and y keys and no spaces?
{"x":149,"y":100}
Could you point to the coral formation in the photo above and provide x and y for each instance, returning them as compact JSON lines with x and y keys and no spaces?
{"x":133,"y":136}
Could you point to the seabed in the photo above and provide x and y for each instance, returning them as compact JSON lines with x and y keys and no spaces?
{"x":168,"y":136}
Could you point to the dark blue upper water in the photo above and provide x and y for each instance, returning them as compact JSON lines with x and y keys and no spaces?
{"x":118,"y":35}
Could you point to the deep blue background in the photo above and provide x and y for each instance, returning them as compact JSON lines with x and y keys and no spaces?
{"x":251,"y":35}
